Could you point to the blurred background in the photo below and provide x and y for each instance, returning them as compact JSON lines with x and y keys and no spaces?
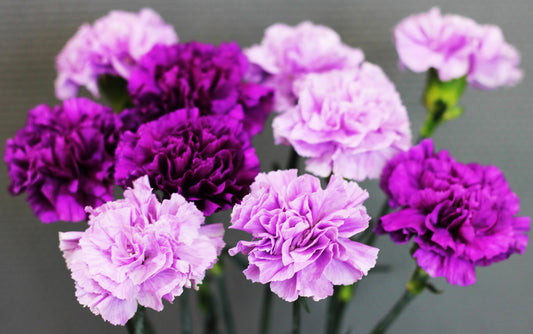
{"x":36,"y":291}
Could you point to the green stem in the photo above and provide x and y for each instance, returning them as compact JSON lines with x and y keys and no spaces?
{"x":385,"y":323}
{"x":433,"y":120}
{"x":296,"y":319}
{"x":186,"y":325}
{"x":417,"y":283}
{"x":208,"y":306}
{"x":264,"y":325}
{"x":342,"y":295}
{"x":139,"y":324}
{"x":227,"y":315}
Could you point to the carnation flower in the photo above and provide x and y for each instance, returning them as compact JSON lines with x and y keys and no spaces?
{"x":63,"y":158}
{"x":286,"y":54}
{"x":112,"y":45}
{"x":494,"y":63}
{"x":457,"y":46}
{"x":197,"y":75}
{"x":460,"y":215}
{"x":207,"y":159}
{"x":138,"y":250}
{"x":301,"y":234}
{"x":349,"y":122}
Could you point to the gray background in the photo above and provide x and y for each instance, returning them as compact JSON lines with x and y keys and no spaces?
{"x":37,"y":294}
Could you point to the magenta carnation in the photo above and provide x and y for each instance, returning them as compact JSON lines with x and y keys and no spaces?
{"x":197,"y":75}
{"x":288,"y":53}
{"x":301,"y":234}
{"x":349,"y":122}
{"x":113,"y":45}
{"x":460,"y":215}
{"x":63,"y":158}
{"x":457,"y":46}
{"x":138,"y":250}
{"x":207,"y":159}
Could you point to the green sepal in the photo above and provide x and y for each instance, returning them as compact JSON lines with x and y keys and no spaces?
{"x":452,"y":113}
{"x":440,"y":99}
{"x":418,"y":282}
{"x":345,"y":293}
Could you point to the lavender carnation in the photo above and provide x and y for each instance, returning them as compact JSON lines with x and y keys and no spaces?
{"x":457,"y":46}
{"x":113,"y":45}
{"x":63,"y":158}
{"x":349,"y":122}
{"x":197,"y":75}
{"x":460,"y":215}
{"x":138,"y":250}
{"x":494,"y":62}
{"x":288,"y":53}
{"x":301,"y":234}
{"x":207,"y":159}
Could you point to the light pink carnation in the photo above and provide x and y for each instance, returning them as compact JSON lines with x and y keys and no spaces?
{"x":287,"y":53}
{"x":457,"y":46}
{"x":347,"y":122}
{"x":301,"y":234}
{"x":139,"y":250}
{"x":113,"y":45}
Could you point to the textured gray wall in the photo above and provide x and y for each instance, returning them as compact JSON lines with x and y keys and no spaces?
{"x":36,"y":292}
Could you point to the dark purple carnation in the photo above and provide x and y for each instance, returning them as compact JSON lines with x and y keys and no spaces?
{"x":196,"y":75}
{"x":209,"y":160}
{"x":64,"y":158}
{"x":460,"y":215}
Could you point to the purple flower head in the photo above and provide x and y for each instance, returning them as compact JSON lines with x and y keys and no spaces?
{"x":301,"y":234}
{"x":349,"y":122}
{"x":288,"y":53}
{"x":209,"y":160}
{"x":138,"y":250}
{"x":113,"y":45}
{"x":457,"y":46}
{"x":197,"y":75}
{"x":460,"y":215}
{"x":63,"y":158}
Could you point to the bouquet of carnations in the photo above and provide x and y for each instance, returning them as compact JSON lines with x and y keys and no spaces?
{"x":174,"y":130}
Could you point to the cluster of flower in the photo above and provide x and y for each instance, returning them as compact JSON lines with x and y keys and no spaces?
{"x":186,"y":135}
{"x":341,"y":112}
{"x":189,"y":127}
